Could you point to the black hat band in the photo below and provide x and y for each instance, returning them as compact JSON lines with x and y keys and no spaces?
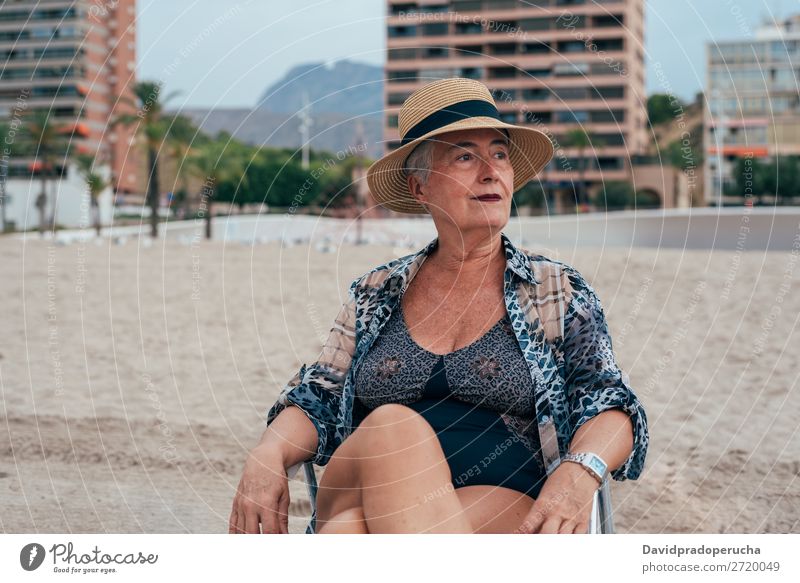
{"x":447,"y":115}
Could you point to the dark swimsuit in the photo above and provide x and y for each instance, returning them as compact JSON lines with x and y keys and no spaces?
{"x":462,"y":395}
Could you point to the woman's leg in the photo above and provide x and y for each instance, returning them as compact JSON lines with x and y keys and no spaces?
{"x":490,"y":510}
{"x":393,"y":470}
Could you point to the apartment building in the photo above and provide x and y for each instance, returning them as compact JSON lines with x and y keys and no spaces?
{"x":73,"y":59}
{"x":555,"y":64}
{"x":753,"y":101}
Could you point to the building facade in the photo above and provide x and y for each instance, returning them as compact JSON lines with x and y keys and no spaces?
{"x":753,"y":101}
{"x":559,"y":65}
{"x":73,"y":59}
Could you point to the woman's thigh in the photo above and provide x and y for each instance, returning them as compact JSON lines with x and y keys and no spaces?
{"x":337,"y":490}
{"x":494,"y":509}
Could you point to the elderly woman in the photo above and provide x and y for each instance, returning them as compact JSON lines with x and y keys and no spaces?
{"x":469,"y":387}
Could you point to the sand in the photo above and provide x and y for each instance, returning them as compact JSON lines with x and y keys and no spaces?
{"x":134,"y":379}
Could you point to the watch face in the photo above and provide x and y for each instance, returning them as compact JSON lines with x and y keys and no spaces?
{"x":597,"y":465}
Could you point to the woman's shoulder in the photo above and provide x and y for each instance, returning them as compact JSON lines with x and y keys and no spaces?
{"x":549,"y":270}
{"x":378,"y":275}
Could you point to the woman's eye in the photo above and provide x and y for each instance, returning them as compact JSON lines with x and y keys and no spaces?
{"x":464,"y":156}
{"x":502,"y":154}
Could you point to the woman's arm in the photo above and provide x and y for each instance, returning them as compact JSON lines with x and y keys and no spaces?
{"x":565,"y":501}
{"x":609,"y":435}
{"x":594,"y":382}
{"x":606,"y":416}
{"x":292,"y":436}
{"x":316,"y":390}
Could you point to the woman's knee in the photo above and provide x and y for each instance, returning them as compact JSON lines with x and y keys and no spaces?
{"x":397,"y":421}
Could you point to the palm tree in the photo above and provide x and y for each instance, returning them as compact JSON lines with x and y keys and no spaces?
{"x":47,"y":140}
{"x":180,"y":136}
{"x":150,"y":122}
{"x":579,"y":138}
{"x":216,"y":161}
{"x":4,"y":129}
{"x":95,"y":183}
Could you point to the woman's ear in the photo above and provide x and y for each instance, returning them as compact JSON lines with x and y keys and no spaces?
{"x":415,"y":189}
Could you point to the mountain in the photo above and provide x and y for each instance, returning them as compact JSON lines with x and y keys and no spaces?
{"x":343,"y":87}
{"x":329,"y":131}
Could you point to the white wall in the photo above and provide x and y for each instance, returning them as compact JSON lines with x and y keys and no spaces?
{"x":70,"y":195}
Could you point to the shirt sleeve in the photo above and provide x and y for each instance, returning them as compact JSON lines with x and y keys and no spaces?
{"x":316,"y":389}
{"x":594,"y":382}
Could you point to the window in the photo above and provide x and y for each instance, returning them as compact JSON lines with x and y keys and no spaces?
{"x":537,"y":73}
{"x":397,"y":98}
{"x":605,"y":20}
{"x":570,"y":69}
{"x":398,"y":9}
{"x":608,"y":116}
{"x":504,"y":94}
{"x":503,"y":49}
{"x":572,"y":116}
{"x":502,"y":72}
{"x":400,"y":76}
{"x":402,"y":31}
{"x":535,"y":23}
{"x":609,"y":44}
{"x":575,"y":21}
{"x":538,"y":117}
{"x":535,"y":94}
{"x":431,"y":74}
{"x":608,"y":93}
{"x":468,"y":28}
{"x":435,"y":29}
{"x":468,"y":51}
{"x":536,"y":48}
{"x":399,"y":54}
{"x":571,"y":92}
{"x":471,"y":72}
{"x":572,"y":46}
{"x":435,"y":53}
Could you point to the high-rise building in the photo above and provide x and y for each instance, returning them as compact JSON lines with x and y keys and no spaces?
{"x":753,"y":101}
{"x":72,"y":59}
{"x":559,"y":65}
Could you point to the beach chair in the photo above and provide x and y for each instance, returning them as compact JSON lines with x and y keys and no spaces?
{"x":600,"y":521}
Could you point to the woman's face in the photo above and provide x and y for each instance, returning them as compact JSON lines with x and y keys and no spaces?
{"x":468,"y":164}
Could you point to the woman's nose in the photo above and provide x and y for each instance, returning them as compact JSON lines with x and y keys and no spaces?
{"x":488,"y":170}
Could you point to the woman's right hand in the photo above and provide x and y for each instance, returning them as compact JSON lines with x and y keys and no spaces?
{"x":262,"y":497}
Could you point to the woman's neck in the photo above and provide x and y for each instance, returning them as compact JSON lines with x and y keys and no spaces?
{"x":468,"y":256}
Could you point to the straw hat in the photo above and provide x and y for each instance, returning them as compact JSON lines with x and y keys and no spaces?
{"x":445,"y":106}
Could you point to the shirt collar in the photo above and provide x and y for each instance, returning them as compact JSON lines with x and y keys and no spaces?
{"x":517,"y":262}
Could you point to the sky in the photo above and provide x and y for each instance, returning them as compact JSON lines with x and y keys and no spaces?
{"x":225,"y":54}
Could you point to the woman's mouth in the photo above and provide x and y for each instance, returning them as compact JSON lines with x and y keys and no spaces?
{"x":488,"y":198}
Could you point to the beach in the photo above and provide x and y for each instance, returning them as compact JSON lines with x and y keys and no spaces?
{"x":135,"y":378}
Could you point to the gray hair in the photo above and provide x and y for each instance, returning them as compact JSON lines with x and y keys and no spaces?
{"x":420,"y":161}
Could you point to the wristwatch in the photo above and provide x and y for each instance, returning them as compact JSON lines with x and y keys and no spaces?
{"x":591,"y":461}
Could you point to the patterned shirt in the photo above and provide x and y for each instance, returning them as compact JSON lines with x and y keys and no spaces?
{"x":561,"y":329}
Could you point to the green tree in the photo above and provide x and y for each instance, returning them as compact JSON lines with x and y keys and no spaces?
{"x":532,"y":194}
{"x":96,"y":185}
{"x":660,"y":108}
{"x":149,"y":121}
{"x":217,"y":162}
{"x":614,"y":196}
{"x":580,"y":139}
{"x":180,"y":135}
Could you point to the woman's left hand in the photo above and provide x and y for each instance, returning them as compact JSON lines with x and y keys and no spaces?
{"x":564,"y":504}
